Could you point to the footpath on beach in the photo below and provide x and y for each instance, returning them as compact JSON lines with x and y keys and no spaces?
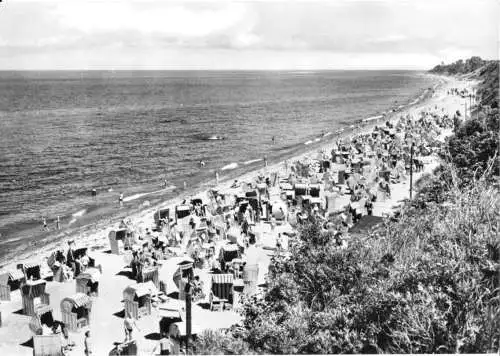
{"x":250,"y":220}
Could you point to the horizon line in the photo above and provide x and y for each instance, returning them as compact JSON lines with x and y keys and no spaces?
{"x":212,"y":69}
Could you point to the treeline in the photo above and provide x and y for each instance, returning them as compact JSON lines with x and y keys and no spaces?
{"x":487,"y":72}
{"x":427,"y":281}
{"x":488,"y":89}
{"x":460,"y":66}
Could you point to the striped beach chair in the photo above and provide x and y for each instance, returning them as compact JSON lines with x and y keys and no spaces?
{"x":221,"y":291}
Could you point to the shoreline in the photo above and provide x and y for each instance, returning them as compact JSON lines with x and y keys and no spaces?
{"x":95,"y":235}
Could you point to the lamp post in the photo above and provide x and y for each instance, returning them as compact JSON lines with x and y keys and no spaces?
{"x":411,"y":167}
{"x":187,"y":290}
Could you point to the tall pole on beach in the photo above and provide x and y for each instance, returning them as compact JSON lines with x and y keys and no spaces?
{"x":411,"y":169}
{"x":187,"y":289}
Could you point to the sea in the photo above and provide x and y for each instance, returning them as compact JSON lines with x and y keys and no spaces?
{"x":65,"y":133}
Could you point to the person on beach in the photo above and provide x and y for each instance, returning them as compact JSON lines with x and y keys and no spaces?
{"x":70,"y":257}
{"x":129,"y":324}
{"x":88,"y":343}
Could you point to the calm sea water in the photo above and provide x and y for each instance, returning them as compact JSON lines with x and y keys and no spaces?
{"x":63,"y":134}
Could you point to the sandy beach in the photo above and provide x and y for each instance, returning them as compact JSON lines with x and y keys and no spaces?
{"x":106,"y":324}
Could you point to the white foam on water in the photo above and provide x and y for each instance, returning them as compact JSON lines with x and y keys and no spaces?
{"x":137,"y":196}
{"x":373,"y":118}
{"x":252,"y":161}
{"x":308,"y":142}
{"x":317,"y":140}
{"x":327,"y":134}
{"x":229,"y":166}
{"x":79,"y":213}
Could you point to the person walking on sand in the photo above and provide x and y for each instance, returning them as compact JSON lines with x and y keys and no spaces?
{"x":88,"y":343}
{"x":129,"y":324}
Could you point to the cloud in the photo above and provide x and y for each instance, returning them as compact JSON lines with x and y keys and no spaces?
{"x":163,"y":31}
{"x":148,"y":18}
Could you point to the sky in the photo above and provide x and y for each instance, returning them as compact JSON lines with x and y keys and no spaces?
{"x":225,"y":35}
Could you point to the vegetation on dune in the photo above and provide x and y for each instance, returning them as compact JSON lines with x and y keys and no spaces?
{"x":488,"y":90}
{"x":486,"y":71}
{"x":426,"y":282}
{"x":460,"y":67}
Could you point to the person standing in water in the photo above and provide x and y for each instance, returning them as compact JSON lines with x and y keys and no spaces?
{"x":265,"y":161}
{"x":44,"y":223}
{"x":217,"y":177}
{"x":274,"y":140}
{"x":202,"y":164}
{"x":58,"y":223}
{"x":120,"y":199}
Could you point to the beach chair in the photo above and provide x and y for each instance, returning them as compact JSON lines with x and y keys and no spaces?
{"x":33,"y":296}
{"x":47,"y":345}
{"x":300,"y":189}
{"x":10,"y":281}
{"x":88,"y":282}
{"x":314,"y":190}
{"x":221,"y":291}
{"x":227,"y":254}
{"x":250,"y":278}
{"x":30,"y":270}
{"x":160,"y":216}
{"x":137,"y":299}
{"x":76,"y":310}
{"x":117,"y":241}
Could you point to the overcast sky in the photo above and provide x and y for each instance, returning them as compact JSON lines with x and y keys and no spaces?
{"x":164,"y":34}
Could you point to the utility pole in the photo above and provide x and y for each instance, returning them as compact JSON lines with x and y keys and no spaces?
{"x":411,"y":168}
{"x":187,"y":291}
